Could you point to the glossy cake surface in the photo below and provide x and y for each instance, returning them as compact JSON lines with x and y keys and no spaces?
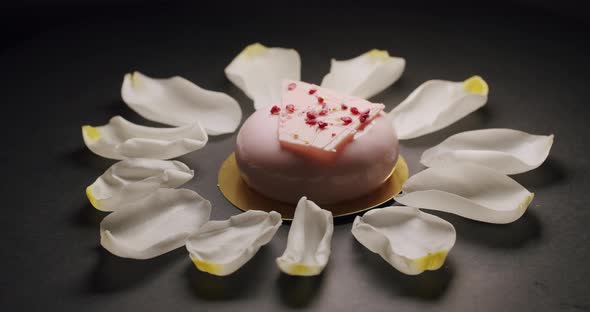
{"x":282,"y":154}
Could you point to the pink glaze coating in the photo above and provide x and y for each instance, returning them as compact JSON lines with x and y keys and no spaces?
{"x":361,"y":167}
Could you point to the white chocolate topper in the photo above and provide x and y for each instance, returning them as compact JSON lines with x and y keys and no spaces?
{"x":317,"y":122}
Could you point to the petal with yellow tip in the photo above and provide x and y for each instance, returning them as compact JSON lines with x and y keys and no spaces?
{"x":259,"y":71}
{"x":121,"y":139}
{"x":468,"y":190}
{"x":155,"y":224}
{"x":91,"y":134}
{"x":505,"y":150}
{"x":476,"y":85}
{"x":365,"y":75}
{"x":222,"y":247}
{"x":131,"y":179}
{"x":309,"y":242}
{"x":437,"y":104}
{"x":176,"y":101}
{"x":92,"y":199}
{"x":410,"y":240}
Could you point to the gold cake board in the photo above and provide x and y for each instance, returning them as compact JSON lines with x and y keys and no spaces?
{"x":233,"y":187}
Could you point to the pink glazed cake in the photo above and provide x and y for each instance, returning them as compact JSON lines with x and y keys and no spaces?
{"x":317,"y":143}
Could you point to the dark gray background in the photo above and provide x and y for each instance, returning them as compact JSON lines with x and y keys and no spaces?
{"x":62,"y":67}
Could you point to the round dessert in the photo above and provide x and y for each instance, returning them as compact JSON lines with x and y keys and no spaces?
{"x":284,"y":170}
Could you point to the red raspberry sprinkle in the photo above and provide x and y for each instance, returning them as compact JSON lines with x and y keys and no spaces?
{"x":344,"y":106}
{"x":291,"y":86}
{"x":275,"y":110}
{"x":346,"y":120}
{"x":312,"y":91}
{"x":320,"y":99}
{"x":364,"y":116}
{"x":322,"y":124}
{"x":290,"y":108}
{"x":311,"y":115}
{"x":311,"y":121}
{"x":323,"y":112}
{"x":354,"y":110}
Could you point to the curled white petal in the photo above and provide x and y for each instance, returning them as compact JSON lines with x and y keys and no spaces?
{"x":177,"y":102}
{"x":121,"y":139}
{"x":222,"y":247}
{"x":310,"y":239}
{"x":468,"y":190}
{"x":154,"y":225}
{"x":133,"y":178}
{"x":365,"y":75}
{"x":436,"y":104}
{"x":505,"y":150}
{"x":410,"y":240}
{"x":259,"y":72}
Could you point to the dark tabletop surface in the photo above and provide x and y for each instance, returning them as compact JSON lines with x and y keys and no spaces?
{"x":56,"y":78}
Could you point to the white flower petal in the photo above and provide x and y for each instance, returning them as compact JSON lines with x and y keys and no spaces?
{"x":176,"y":101}
{"x":468,"y":190}
{"x":310,"y":239}
{"x":133,"y":178}
{"x":410,"y":240}
{"x":365,"y":75}
{"x":154,"y":225}
{"x":259,"y":72}
{"x":505,"y":150}
{"x":120,"y":139}
{"x":436,"y":104}
{"x":222,"y":247}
